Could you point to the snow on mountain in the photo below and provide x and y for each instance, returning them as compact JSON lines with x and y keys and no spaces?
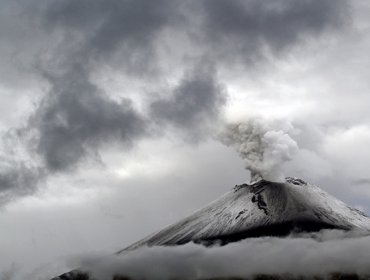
{"x":260,"y":209}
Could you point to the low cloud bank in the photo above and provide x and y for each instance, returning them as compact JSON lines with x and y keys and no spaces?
{"x":312,"y":254}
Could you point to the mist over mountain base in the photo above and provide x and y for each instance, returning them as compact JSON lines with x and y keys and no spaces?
{"x":328,"y":254}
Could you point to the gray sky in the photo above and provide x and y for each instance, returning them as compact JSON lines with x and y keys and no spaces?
{"x":110,"y":111}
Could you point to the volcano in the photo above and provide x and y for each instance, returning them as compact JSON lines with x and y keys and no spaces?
{"x":259,"y":209}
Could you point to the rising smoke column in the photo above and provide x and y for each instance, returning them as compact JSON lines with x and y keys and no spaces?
{"x":264,"y":146}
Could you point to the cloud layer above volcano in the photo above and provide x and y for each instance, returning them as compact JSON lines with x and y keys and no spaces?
{"x":178,"y":47}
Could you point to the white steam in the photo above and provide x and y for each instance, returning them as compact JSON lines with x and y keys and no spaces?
{"x":264,"y":146}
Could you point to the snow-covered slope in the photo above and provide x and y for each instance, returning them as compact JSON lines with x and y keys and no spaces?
{"x":261,"y":209}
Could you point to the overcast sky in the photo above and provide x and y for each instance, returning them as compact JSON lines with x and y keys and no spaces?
{"x":111,"y":111}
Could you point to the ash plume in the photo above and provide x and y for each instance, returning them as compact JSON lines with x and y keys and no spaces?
{"x":263,"y":147}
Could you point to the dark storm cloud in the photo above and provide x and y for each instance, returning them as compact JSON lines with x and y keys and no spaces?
{"x":108,"y":23}
{"x":77,"y":38}
{"x":245,"y":30}
{"x":132,"y":31}
{"x":76,"y":117}
{"x":197,"y":100}
{"x":19,"y":176}
{"x":19,"y":180}
{"x":127,"y":29}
